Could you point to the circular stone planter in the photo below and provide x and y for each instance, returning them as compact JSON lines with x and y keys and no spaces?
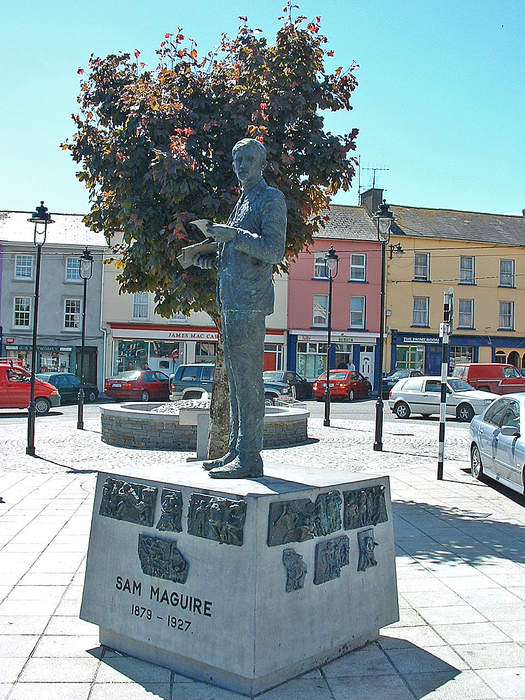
{"x":134,"y":425}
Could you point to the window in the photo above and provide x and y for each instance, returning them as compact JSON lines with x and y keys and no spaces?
{"x":177,"y":317}
{"x":434,"y":386}
{"x":22,"y":312}
{"x":358,"y":268}
{"x":72,"y":313}
{"x":311,"y":359}
{"x":506,"y":273}
{"x":410,"y":357}
{"x":141,"y":305}
{"x":23,"y":267}
{"x":496,"y":412}
{"x":357,"y":312}
{"x":467,"y":270}
{"x":466,"y":313}
{"x":320,"y":314}
{"x":420,"y":312}
{"x":506,"y":315}
{"x":320,"y":266}
{"x":460,"y":353}
{"x":72,"y":269}
{"x":422,"y":267}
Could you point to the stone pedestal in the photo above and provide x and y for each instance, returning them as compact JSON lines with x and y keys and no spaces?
{"x":242,"y":583}
{"x":201,"y":418}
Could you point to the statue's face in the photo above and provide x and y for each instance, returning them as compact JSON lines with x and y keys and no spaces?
{"x":247,"y":164}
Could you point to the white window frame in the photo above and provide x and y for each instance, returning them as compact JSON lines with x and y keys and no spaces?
{"x":502,"y":316}
{"x":462,"y":270}
{"x":424,"y":311}
{"x":177,"y":317}
{"x":72,"y":314}
{"x":320,"y":266}
{"x":29,"y":312}
{"x":359,"y":268}
{"x":26,"y":256}
{"x":67,"y":269}
{"x":466,"y":315}
{"x":507,"y":278}
{"x":140,"y":303}
{"x":422,"y":270}
{"x":321,"y":302}
{"x":358,"y":312}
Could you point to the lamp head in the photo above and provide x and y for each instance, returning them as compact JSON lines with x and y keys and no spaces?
{"x":332,"y":261}
{"x":41,"y":215}
{"x":384,"y":218}
{"x":86,"y":264}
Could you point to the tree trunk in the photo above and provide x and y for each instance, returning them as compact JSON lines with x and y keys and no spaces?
{"x":220,"y":403}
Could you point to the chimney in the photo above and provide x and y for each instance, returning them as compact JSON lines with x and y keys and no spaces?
{"x":371,"y":199}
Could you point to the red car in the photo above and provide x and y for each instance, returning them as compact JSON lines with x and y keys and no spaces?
{"x":146,"y":385}
{"x":344,"y":384}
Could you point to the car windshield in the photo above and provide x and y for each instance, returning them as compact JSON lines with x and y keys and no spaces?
{"x":273,"y":376}
{"x":135,"y":374}
{"x":43,"y":377}
{"x":459,"y":385}
{"x":334,"y":374}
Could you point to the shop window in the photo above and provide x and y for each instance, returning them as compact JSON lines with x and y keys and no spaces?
{"x":422,"y":267}
{"x":23,"y":267}
{"x":165,"y":355}
{"x":466,"y":313}
{"x":320,"y":266}
{"x":460,"y":353}
{"x":320,"y":310}
{"x":311,"y":359}
{"x":72,"y":313}
{"x":506,"y":316}
{"x":140,"y":305}
{"x":420,"y":312}
{"x":205,"y":352}
{"x":22,"y":312}
{"x":130,"y":355}
{"x":467,"y":269}
{"x":73,"y":270}
{"x":410,"y":357}
{"x":506,"y":273}
{"x":357,"y":312}
{"x":358,"y":268}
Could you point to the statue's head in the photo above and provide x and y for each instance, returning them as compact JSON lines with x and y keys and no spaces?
{"x":249,"y":160}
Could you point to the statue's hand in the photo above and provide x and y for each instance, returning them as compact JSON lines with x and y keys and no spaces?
{"x":206,"y":262}
{"x":221,"y":233}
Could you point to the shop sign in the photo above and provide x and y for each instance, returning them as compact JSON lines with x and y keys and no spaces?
{"x":65,"y":349}
{"x":419,"y":339}
{"x":168,"y":334}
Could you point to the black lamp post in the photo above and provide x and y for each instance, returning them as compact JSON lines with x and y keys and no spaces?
{"x":332,"y":263}
{"x":384,"y":218}
{"x":86,"y":271}
{"x":40,"y":218}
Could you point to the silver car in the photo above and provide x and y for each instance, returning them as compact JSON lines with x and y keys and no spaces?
{"x":497,"y":447}
{"x":422,"y":395}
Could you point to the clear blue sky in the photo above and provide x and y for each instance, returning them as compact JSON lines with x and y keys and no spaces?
{"x":440,"y":101}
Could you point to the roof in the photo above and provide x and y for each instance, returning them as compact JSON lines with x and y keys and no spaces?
{"x":504,"y":229}
{"x":68,"y":230}
{"x":348,"y":223}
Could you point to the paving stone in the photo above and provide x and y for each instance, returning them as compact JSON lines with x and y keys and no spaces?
{"x":421,"y":636}
{"x":50,"y":691}
{"x":123,"y":669}
{"x":369,"y":661}
{"x":471,"y":633}
{"x":313,"y":689}
{"x":17,"y":645}
{"x":10,"y":668}
{"x":5,"y":689}
{"x":494,"y":655}
{"x":441,"y":659}
{"x":68,"y":671}
{"x":58,"y":646}
{"x":451,"y":614}
{"x":506,"y":682}
{"x":70,"y":625}
{"x":23,"y":624}
{"x":369,"y":688}
{"x":441,"y":686}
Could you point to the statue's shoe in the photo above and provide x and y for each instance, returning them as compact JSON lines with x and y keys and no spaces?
{"x":220,"y":462}
{"x":239,"y":470}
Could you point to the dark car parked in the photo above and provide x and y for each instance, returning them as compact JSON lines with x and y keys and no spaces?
{"x":390,"y":379}
{"x":282,"y":378}
{"x":146,"y":385}
{"x":68,"y":385}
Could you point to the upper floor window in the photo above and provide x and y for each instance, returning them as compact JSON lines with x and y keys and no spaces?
{"x":22,"y":312}
{"x":506,"y":315}
{"x":141,"y":305}
{"x":506,"y":273}
{"x":358,"y":268}
{"x":23,"y":267}
{"x":420,"y":311}
{"x":320,"y":310}
{"x":467,"y":269}
{"x":320,"y":266}
{"x":466,"y":313}
{"x":357,"y":312}
{"x":177,"y":317}
{"x":422,"y":267}
{"x":72,"y":313}
{"x":72,"y":269}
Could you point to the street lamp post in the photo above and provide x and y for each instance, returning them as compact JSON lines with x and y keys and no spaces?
{"x":384,"y":218}
{"x":86,"y":271}
{"x":42,"y":218}
{"x":332,"y":263}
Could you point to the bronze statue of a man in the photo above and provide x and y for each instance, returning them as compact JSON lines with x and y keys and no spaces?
{"x":251,"y":242}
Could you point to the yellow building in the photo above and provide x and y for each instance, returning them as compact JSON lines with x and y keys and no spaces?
{"x":481,"y":257}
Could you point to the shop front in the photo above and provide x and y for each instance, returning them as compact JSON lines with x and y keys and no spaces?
{"x":49,"y":358}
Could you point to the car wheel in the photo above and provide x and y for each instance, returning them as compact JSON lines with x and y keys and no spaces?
{"x":91,"y":396}
{"x":402,"y":410}
{"x":268,"y":400}
{"x":465,"y":413}
{"x":42,"y":406}
{"x":144,"y":396}
{"x":476,"y":468}
{"x":351,"y":395}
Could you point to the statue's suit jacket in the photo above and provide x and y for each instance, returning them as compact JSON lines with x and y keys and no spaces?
{"x":245,"y":264}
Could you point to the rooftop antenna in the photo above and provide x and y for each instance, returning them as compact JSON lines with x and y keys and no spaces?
{"x":374,"y":170}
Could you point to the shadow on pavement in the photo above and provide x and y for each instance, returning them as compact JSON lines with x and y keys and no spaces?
{"x":70,"y":469}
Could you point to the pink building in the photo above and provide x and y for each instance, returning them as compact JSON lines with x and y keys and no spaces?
{"x":355,"y":297}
